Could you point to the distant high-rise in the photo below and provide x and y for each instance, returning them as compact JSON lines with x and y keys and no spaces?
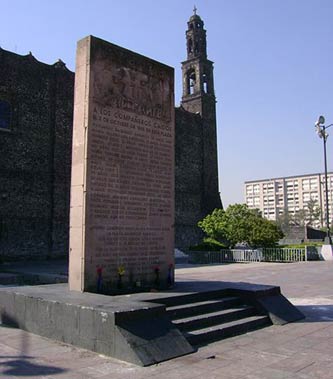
{"x":292,"y":193}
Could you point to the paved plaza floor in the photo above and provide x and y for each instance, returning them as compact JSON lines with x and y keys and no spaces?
{"x":301,"y":350}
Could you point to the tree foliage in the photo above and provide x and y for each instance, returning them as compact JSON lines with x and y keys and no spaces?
{"x":239,"y":224}
{"x":306,"y":216}
{"x":284,"y":220}
{"x":313,"y":211}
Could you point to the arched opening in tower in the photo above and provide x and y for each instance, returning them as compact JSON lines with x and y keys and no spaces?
{"x":190,"y":45}
{"x":205,"y":83}
{"x":196,"y":47}
{"x":191,"y":80}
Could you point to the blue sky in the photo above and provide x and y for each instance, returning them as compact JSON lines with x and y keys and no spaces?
{"x":273,"y":68}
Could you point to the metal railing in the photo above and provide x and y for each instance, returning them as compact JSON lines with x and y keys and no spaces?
{"x":255,"y":255}
{"x":235,"y":255}
{"x":284,"y":255}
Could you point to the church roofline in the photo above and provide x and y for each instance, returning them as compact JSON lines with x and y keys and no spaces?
{"x":31,"y":57}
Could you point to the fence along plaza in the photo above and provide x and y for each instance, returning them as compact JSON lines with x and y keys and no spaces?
{"x":256,"y":255}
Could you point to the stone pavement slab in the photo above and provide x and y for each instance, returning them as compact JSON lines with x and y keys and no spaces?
{"x":300,"y":350}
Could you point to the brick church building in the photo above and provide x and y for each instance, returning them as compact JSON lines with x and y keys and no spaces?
{"x":36,"y":116}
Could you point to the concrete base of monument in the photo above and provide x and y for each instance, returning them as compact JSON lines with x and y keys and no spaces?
{"x":137,"y":328}
{"x":327,"y":252}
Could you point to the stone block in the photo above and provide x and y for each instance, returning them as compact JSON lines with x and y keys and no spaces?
{"x":123,"y":155}
{"x":326,"y":252}
{"x":279,"y":309}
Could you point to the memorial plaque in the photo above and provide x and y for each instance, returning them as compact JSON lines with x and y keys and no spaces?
{"x":122,"y":191}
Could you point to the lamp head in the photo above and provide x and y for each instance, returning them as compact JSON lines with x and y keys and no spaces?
{"x":320,"y":121}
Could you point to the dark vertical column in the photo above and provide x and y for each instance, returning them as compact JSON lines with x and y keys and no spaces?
{"x":51,"y":163}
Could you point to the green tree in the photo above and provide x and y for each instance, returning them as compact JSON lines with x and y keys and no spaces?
{"x":240,"y":224}
{"x":300,"y":217}
{"x":212,"y":225}
{"x":284,"y":220}
{"x":303,"y":217}
{"x":314,"y":212}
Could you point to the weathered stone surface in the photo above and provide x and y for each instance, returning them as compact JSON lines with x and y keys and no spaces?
{"x":126,"y":329}
{"x":189,"y":208}
{"x":35,"y":154}
{"x":122,"y":202}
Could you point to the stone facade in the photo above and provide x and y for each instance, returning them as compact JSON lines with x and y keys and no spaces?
{"x":36,"y":116}
{"x":188,"y":178}
{"x":35,"y":156}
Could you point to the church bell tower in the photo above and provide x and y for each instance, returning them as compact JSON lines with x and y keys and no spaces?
{"x":199,"y":98}
{"x":198,"y":83}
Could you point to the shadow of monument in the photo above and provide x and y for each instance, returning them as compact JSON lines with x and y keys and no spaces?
{"x":316,"y":313}
{"x":21,"y":365}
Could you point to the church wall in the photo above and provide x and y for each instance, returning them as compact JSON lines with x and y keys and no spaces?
{"x":28,"y":201}
{"x":188,"y":180}
{"x":62,"y":159}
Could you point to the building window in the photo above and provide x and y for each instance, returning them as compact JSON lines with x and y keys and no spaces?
{"x":314,"y":196}
{"x":5,"y":115}
{"x":306,"y":197}
{"x":306,"y":184}
{"x":249,"y":190}
{"x":313,"y":184}
{"x":250,"y":202}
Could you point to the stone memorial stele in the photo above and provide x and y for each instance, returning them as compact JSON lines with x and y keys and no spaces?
{"x":122,"y":189}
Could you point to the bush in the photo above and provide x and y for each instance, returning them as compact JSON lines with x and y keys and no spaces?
{"x":301,"y":245}
{"x":240,"y":224}
{"x":208,"y":244}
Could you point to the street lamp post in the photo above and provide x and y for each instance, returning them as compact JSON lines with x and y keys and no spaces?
{"x":321,"y":131}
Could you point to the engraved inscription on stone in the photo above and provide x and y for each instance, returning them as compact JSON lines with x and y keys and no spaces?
{"x":128,"y":189}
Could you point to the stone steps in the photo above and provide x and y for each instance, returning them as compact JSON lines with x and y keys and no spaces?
{"x":225,"y":330}
{"x":212,"y":316}
{"x":200,"y":307}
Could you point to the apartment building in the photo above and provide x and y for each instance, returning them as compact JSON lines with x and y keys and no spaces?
{"x":273,"y":196}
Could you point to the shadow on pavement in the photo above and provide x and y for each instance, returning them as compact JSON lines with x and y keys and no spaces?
{"x":316,"y":313}
{"x":22,"y":367}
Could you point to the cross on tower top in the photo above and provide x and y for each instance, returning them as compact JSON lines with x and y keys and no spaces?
{"x":195,"y":10}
